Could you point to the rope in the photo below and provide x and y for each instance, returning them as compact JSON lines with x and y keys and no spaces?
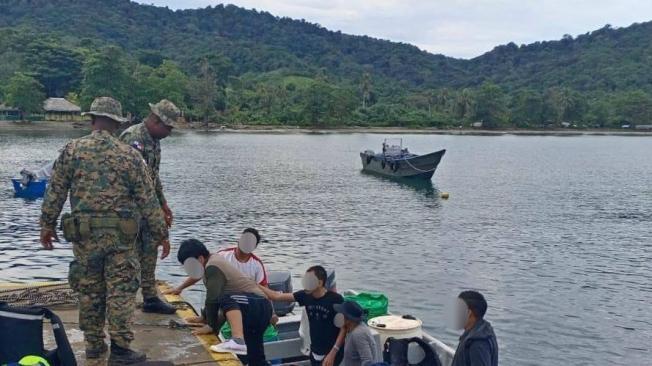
{"x":417,"y":169}
{"x":48,"y":295}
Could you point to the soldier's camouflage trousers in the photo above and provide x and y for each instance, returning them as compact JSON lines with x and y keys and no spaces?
{"x":147,"y":253}
{"x":106,"y":274}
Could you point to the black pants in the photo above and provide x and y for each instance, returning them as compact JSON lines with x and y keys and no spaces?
{"x":256,"y":315}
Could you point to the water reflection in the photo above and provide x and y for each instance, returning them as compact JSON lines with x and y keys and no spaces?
{"x":555,"y":232}
{"x":423,"y":187}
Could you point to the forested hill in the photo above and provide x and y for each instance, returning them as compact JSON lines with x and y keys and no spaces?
{"x":604,"y":60}
{"x":230,"y":65}
{"x":249,"y":40}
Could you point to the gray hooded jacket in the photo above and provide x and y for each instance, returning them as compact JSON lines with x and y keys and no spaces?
{"x":477,"y":347}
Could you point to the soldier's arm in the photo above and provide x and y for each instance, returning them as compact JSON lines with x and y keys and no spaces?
{"x":58,"y":187}
{"x":129,"y":138}
{"x":147,"y":201}
{"x":159,"y":188}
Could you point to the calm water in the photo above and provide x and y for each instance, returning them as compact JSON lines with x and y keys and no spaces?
{"x":555,"y":231}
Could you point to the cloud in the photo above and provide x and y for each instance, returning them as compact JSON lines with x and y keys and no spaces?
{"x":458,"y":28}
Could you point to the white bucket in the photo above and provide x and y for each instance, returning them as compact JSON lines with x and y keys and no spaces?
{"x":395,"y":326}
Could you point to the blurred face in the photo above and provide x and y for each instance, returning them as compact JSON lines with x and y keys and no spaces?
{"x":247,"y":243}
{"x":462,"y":314}
{"x":339,"y":320}
{"x":194,"y":267}
{"x":157,"y":128}
{"x":311,"y":282}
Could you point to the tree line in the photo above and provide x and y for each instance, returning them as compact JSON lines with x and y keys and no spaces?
{"x":210,"y":91}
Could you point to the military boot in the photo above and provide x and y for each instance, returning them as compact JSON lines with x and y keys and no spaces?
{"x":158,"y":306}
{"x":124,"y":356}
{"x":93,"y":352}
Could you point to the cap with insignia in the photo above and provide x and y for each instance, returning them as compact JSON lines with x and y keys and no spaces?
{"x":106,"y":107}
{"x":167,"y":112}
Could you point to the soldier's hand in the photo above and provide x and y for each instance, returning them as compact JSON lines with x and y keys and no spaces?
{"x":165,"y":244}
{"x":167,"y":215}
{"x":47,"y":235}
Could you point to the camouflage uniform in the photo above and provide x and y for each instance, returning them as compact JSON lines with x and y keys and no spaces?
{"x":104,"y":179}
{"x":138,"y":137}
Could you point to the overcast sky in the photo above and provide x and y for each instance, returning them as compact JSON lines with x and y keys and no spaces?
{"x":458,"y":28}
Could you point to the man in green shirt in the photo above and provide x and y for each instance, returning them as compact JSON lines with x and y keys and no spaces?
{"x":243,"y":303}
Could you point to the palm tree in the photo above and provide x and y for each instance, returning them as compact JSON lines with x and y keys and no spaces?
{"x":464,"y":103}
{"x":365,"y":87}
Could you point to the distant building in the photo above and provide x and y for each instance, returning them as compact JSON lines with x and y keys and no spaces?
{"x":59,"y":109}
{"x":643,"y":127}
{"x":9,"y":113}
{"x":565,"y":124}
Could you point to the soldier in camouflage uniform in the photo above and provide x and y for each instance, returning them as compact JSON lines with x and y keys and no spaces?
{"x":108,"y":193}
{"x":145,"y":137}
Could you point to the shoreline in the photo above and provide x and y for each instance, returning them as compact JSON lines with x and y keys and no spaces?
{"x":271,"y":129}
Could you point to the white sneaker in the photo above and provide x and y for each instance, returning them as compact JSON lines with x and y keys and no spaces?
{"x":230,"y":347}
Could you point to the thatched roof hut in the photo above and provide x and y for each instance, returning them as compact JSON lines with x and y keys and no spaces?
{"x":59,"y":109}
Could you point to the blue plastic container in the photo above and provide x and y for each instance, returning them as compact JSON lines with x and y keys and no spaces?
{"x":35,"y":189}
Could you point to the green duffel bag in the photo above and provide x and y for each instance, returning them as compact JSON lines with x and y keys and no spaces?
{"x":374,"y":303}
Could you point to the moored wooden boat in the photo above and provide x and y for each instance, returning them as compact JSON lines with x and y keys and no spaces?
{"x":397,"y":162}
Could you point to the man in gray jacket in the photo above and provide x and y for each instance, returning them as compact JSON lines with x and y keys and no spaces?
{"x":478,"y":345}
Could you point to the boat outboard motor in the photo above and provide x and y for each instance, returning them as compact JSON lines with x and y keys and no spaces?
{"x":281,"y":281}
{"x":331,"y":282}
{"x":21,"y":334}
{"x":396,"y":352}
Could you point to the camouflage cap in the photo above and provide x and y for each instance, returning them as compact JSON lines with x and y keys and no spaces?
{"x":106,"y":107}
{"x":167,"y":112}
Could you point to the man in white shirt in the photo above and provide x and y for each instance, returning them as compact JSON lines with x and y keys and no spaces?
{"x":245,"y":260}
{"x":241,"y":257}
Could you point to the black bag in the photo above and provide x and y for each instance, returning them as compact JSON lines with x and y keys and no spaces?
{"x":21,"y":334}
{"x":395,"y":352}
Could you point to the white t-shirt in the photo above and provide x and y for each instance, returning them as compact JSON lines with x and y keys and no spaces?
{"x":253,"y":268}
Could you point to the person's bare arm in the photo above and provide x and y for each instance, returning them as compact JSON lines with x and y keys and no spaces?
{"x":177,"y":290}
{"x":329,"y":360}
{"x":277,"y":296}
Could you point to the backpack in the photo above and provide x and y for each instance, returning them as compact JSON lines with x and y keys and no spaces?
{"x":395,"y":352}
{"x":21,"y":334}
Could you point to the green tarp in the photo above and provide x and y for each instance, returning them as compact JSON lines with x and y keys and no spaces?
{"x":374,"y":303}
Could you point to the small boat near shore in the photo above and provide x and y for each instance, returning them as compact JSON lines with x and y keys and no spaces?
{"x":32,"y":184}
{"x":31,"y":190}
{"x":395,"y":161}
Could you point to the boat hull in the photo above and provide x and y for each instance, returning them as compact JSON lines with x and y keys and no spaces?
{"x":418,"y":167}
{"x":34,"y":189}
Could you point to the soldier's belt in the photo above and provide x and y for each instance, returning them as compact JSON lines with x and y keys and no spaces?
{"x":79,"y":227}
